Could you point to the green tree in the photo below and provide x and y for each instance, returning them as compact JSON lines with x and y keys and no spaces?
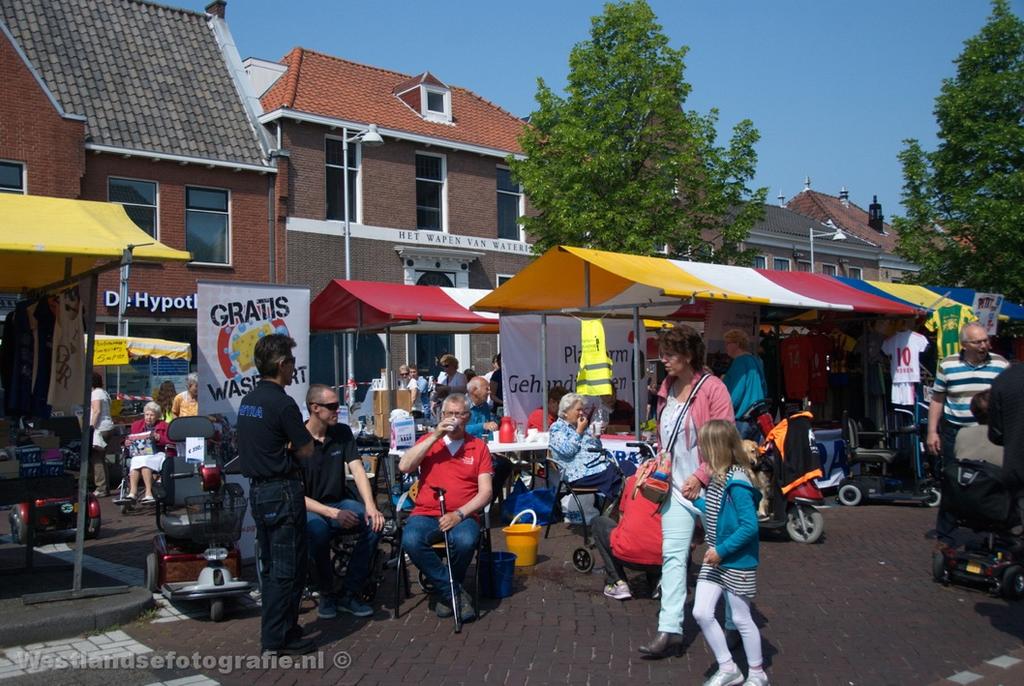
{"x":618,"y":164}
{"x":964,"y":201}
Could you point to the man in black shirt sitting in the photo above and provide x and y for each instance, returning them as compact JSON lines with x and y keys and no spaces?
{"x":330,"y":506}
{"x":272,"y":443}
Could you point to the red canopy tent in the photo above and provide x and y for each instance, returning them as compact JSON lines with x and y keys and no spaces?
{"x":378,"y":306}
{"x":834,"y":291}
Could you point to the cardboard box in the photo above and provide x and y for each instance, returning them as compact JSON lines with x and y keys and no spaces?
{"x":46,"y":442}
{"x":382,"y":425}
{"x":382,"y":401}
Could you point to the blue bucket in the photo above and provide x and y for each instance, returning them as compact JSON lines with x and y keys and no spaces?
{"x":500,"y":580}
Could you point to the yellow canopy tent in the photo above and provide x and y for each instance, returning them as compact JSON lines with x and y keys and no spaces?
{"x":48,"y":243}
{"x":118,"y":348}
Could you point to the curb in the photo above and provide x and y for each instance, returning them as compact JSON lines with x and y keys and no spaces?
{"x":66,"y":619}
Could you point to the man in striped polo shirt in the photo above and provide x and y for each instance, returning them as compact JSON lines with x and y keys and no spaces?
{"x":958,"y":379}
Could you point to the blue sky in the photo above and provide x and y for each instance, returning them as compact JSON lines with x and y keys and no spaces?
{"x":833,"y":87}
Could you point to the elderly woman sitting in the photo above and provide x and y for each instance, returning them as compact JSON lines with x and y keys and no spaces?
{"x":571,"y":448}
{"x":147,"y":444}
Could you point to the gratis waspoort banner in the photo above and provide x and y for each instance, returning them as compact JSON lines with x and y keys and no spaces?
{"x":232,"y":317}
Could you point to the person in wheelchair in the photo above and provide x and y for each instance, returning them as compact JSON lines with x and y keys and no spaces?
{"x":450,"y":458}
{"x":330,"y":506}
{"x":147,"y":445}
{"x":576,"y":452}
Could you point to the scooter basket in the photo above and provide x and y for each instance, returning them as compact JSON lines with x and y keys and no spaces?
{"x":215,"y":518}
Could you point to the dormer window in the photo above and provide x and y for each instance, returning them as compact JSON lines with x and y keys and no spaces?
{"x":428,"y":96}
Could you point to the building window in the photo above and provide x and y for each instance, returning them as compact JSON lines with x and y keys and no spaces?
{"x":855,"y":272}
{"x":12,"y":177}
{"x":207,"y":225}
{"x":780,"y":264}
{"x":802,"y":266}
{"x":828,"y":269}
{"x":334,"y":153}
{"x":502,"y":278}
{"x":510,"y":195}
{"x":138,"y":199}
{"x":430,"y":175}
{"x":760,"y":262}
{"x":437,"y":104}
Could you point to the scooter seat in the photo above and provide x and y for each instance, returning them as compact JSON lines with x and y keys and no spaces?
{"x":176,"y":525}
{"x":869,"y":456}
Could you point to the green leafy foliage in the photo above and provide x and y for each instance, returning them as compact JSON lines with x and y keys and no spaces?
{"x":618,"y":163}
{"x":964,"y":201}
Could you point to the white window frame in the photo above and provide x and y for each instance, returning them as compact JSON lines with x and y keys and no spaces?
{"x":789,"y":264}
{"x":764,"y":259}
{"x":501,"y":278}
{"x":433,"y":115}
{"x":859,"y":272}
{"x":156,"y":207}
{"x":24,"y":178}
{"x":229,"y":255}
{"x":520,"y":204}
{"x":833,"y":265}
{"x":357,"y":149}
{"x":444,"y":186}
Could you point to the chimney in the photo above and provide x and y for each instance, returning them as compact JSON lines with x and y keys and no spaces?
{"x":217,"y":8}
{"x":875,"y":215}
{"x":781,"y":198}
{"x":807,"y":183}
{"x":844,"y":196}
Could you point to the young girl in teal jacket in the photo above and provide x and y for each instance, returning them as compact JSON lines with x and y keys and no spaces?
{"x":729,"y":508}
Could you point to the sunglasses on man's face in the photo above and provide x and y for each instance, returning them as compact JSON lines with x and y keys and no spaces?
{"x":330,"y":407}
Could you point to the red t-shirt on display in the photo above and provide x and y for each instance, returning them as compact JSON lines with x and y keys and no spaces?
{"x":821,"y":347}
{"x":458,"y":474}
{"x":796,"y":366}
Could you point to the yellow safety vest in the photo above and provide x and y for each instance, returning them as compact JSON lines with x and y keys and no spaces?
{"x":595,"y":375}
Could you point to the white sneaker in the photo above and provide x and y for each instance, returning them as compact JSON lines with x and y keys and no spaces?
{"x":730,"y":678}
{"x":757,"y":679}
{"x":618,"y":591}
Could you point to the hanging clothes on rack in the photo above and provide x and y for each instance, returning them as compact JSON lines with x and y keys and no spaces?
{"x":946,"y":323}
{"x":904,"y":349}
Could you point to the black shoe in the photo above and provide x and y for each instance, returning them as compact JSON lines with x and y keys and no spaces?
{"x":663,"y":645}
{"x":467,"y":612}
{"x":294,"y":634}
{"x":302,"y":646}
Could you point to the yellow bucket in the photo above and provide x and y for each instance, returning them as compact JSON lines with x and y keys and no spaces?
{"x":522,"y":539}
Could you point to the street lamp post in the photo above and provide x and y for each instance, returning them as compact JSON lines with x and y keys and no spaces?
{"x":370,"y":138}
{"x":836,"y":235}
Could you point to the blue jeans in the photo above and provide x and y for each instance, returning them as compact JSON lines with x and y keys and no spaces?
{"x":320,"y":530}
{"x":462,"y":540}
{"x":279,"y":510}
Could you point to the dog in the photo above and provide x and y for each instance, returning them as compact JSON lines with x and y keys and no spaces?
{"x":761,"y":479}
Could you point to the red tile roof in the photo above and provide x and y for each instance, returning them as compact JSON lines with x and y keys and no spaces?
{"x":332,"y":87}
{"x":849,"y":217}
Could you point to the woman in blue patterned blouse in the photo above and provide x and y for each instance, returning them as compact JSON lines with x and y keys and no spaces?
{"x":571,"y":446}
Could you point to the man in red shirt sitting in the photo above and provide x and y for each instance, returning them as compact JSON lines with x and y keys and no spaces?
{"x":460,"y":463}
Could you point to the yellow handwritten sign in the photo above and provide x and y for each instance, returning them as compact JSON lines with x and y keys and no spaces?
{"x":110,"y":351}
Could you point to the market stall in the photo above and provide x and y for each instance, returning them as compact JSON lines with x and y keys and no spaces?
{"x":57,"y":246}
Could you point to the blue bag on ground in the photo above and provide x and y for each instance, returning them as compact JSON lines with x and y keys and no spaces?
{"x":520,"y":498}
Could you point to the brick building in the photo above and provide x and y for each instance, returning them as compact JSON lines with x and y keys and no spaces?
{"x":433,"y":204}
{"x":138,"y":103}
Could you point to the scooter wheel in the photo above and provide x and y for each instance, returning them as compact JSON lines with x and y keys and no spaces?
{"x":815,"y":524}
{"x":1012,"y":584}
{"x":582,"y":560}
{"x":933,"y":496}
{"x":939,"y":567}
{"x":152,"y":573}
{"x":850,"y":495}
{"x":92,"y":527}
{"x":18,"y":530}
{"x":217,"y":610}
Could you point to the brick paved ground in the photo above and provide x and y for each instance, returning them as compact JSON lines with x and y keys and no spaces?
{"x":859,"y":608}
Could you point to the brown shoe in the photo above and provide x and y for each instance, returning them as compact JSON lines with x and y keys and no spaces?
{"x":663,"y":645}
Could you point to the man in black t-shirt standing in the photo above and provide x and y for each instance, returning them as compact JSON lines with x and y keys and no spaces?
{"x":272,"y":442}
{"x":330,"y":505}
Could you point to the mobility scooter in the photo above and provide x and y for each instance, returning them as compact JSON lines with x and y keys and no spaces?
{"x":195,"y":556}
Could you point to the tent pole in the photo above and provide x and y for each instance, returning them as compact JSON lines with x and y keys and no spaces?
{"x":586,"y":284}
{"x":637,"y":375}
{"x":392,"y":395}
{"x":544,"y":369}
{"x":337,"y":362}
{"x":89,"y":299}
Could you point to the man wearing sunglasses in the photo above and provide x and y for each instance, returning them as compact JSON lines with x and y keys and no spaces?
{"x":330,"y":505}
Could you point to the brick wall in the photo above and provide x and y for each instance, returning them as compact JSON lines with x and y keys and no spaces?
{"x":32,"y":132}
{"x":248,"y":208}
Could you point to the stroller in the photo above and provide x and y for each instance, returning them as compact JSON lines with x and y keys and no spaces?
{"x":973,"y":491}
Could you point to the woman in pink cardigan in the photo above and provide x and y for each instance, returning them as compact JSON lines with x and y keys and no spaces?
{"x":680,"y":417}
